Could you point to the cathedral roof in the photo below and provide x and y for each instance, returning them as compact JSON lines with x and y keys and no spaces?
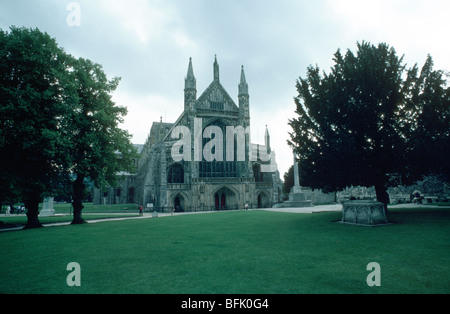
{"x":156,"y":129}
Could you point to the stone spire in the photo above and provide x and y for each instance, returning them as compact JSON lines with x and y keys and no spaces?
{"x":216,"y":69}
{"x":267,"y":140}
{"x":190,"y":82}
{"x":190,"y":89}
{"x":243,"y":86}
{"x":244,"y":100}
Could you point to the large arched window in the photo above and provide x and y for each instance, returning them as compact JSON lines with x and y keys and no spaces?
{"x":175,"y":174}
{"x":218,"y":167}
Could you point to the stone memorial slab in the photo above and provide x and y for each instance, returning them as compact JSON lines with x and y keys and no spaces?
{"x":47,"y":208}
{"x":365,"y":213}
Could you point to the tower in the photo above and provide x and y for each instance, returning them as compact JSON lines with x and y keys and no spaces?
{"x":190,"y":88}
{"x":244,"y":100}
{"x":244,"y":118}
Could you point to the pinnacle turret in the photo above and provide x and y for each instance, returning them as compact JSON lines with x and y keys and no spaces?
{"x":190,"y":82}
{"x":243,"y":86}
{"x":216,"y":69}
{"x":190,"y":88}
{"x":244,"y":99}
{"x":267,"y":139}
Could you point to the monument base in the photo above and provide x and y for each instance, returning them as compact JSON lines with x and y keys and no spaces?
{"x":296,"y":199}
{"x":47,"y":212}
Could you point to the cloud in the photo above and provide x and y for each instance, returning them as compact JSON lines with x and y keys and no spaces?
{"x":414,"y":28}
{"x":148,"y":43}
{"x":143,"y":110}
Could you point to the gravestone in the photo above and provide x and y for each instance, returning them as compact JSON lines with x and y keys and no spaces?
{"x":47,"y":207}
{"x":365,"y":213}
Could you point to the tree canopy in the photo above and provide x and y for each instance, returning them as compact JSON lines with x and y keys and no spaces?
{"x":368,"y":119}
{"x":31,"y":108}
{"x":99,"y":148}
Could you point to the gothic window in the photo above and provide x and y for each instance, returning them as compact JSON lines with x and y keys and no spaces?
{"x":176,"y":174}
{"x":257,"y":174}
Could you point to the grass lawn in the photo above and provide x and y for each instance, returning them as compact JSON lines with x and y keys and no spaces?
{"x":233,"y":252}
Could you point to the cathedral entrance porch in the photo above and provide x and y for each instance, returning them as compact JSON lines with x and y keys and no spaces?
{"x":263,"y":200}
{"x":179,"y":203}
{"x":225,"y":199}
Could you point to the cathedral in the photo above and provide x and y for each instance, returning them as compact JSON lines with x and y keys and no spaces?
{"x":204,"y":160}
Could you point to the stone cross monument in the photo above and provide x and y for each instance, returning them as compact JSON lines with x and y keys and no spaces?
{"x":297,"y":188}
{"x":296,"y":198}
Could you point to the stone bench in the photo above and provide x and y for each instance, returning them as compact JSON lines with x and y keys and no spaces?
{"x":430,"y":199}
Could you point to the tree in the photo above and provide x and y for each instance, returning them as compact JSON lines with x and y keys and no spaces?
{"x":355,"y":125}
{"x":99,"y":148}
{"x":59,"y":125}
{"x":429,"y":134}
{"x":31,"y":108}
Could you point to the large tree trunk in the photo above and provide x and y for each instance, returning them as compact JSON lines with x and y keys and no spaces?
{"x":382,"y":195}
{"x":32,"y":206}
{"x":77,"y":202}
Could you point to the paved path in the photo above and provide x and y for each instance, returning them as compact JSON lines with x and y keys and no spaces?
{"x":305,"y":210}
{"x":302,"y":210}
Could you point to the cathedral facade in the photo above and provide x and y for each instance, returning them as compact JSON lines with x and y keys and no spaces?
{"x":205,"y":159}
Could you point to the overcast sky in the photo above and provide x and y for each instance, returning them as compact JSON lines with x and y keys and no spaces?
{"x":148,"y":44}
